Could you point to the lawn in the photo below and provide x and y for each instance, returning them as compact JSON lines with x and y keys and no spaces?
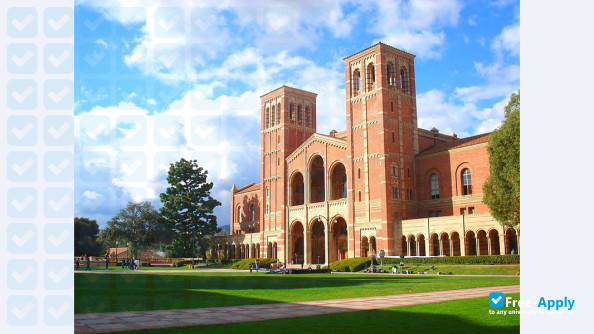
{"x":110,"y":292}
{"x":463,"y":269}
{"x":448,"y":317}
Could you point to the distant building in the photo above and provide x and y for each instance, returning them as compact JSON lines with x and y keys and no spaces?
{"x":122,"y":252}
{"x":381,"y":184}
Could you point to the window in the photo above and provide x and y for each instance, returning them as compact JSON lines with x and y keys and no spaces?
{"x":393,"y":137}
{"x":394,"y":170}
{"x":278,"y":139}
{"x":437,"y":213}
{"x":462,"y":211}
{"x":291,"y":111}
{"x":239,"y":214}
{"x":370,"y":76}
{"x":431,"y":213}
{"x":403,"y":79}
{"x":307,"y":116}
{"x":299,"y":113}
{"x":391,"y":106}
{"x":359,"y":195}
{"x":395,"y":192}
{"x":252,"y":212}
{"x":272,"y":116}
{"x":434,"y":186}
{"x":359,"y":173}
{"x":408,"y":172}
{"x":409,"y":194}
{"x":466,"y":182}
{"x":356,"y":82}
{"x":278,"y":113}
{"x":267,"y":118}
{"x":471,"y":210}
{"x":390,"y":72}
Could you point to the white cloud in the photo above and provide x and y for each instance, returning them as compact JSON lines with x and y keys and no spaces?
{"x":416,"y":25}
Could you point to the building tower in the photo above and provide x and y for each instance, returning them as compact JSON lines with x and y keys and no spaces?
{"x":288,"y":119}
{"x":382,"y":134}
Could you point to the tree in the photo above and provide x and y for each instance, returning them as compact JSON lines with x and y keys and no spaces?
{"x":86,"y":232}
{"x":188,"y":206}
{"x":139,"y":226}
{"x":502,"y":189}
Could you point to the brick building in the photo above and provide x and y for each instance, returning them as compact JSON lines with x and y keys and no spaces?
{"x":381,"y":184}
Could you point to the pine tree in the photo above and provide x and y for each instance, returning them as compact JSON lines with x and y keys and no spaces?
{"x":502,"y":190}
{"x":188,"y":206}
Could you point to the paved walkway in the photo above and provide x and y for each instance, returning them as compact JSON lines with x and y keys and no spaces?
{"x":121,"y":321}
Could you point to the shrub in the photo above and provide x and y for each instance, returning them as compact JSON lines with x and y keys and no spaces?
{"x":352,"y":264}
{"x":245,"y":263}
{"x":474,"y":259}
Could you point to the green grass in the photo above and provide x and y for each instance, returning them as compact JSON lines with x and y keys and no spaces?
{"x":449,"y":317}
{"x":113,"y":291}
{"x":462,"y":269}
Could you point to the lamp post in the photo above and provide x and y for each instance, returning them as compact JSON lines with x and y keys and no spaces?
{"x":381,"y":255}
{"x":116,"y":251}
{"x":371,"y":257}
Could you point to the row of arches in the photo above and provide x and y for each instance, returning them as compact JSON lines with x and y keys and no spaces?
{"x":242,"y":251}
{"x":310,"y":246}
{"x":479,"y":243}
{"x":299,"y":114}
{"x":394,"y":80}
{"x":317,"y":183}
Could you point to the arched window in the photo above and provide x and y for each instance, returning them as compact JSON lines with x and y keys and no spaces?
{"x":394,"y":170}
{"x":272,"y":116}
{"x":434,"y":186}
{"x":359,"y":195}
{"x":393,"y":137}
{"x":253,"y":212}
{"x":370,"y":75}
{"x":391,"y":106}
{"x":356,"y":79}
{"x":291,"y":111}
{"x":278,"y":113}
{"x":239,"y":214}
{"x":404,"y":80}
{"x":390,"y":73}
{"x":359,"y":173}
{"x":267,"y":118}
{"x":307,"y":116}
{"x":466,"y":182}
{"x":299,"y":113}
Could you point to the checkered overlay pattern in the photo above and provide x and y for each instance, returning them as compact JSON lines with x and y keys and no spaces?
{"x":36,"y":166}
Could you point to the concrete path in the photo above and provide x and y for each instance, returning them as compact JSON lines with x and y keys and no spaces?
{"x":135,"y":320}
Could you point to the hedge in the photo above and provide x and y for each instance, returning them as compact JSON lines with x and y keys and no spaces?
{"x":245,"y":263}
{"x":474,"y":259}
{"x":352,"y":264}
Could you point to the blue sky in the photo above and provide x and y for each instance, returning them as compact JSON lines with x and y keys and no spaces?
{"x":158,"y":80}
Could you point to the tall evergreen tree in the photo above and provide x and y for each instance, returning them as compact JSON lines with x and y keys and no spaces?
{"x":502,"y":190}
{"x":188,"y":206}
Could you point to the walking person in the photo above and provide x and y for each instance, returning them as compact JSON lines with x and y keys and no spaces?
{"x":88,"y":263}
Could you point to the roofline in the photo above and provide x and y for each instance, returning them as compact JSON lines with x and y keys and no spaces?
{"x":315,"y":134}
{"x":285,"y":86}
{"x":380,"y":43}
{"x":422,"y":153}
{"x":244,"y":187}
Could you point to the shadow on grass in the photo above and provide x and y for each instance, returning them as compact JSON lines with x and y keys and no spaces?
{"x":111,"y":292}
{"x":458,"y":316}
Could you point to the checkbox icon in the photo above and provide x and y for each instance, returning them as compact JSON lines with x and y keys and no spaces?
{"x":58,"y":94}
{"x":496,"y":299}
{"x":58,"y":22}
{"x":58,"y":310}
{"x":22,"y":238}
{"x":22,"y":58}
{"x":58,"y":58}
{"x":58,"y":166}
{"x":21,"y":130}
{"x":22,"y":94}
{"x":22,"y":22}
{"x":58,"y":130}
{"x":58,"y":275}
{"x":21,"y":202}
{"x":58,"y":202}
{"x":22,"y":274}
{"x":21,"y":310}
{"x":21,"y":166}
{"x":169,"y":21}
{"x":58,"y":238}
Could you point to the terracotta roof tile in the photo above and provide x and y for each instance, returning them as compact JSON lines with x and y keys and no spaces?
{"x":458,"y":143}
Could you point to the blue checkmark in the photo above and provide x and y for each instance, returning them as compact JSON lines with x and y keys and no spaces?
{"x":496,"y":299}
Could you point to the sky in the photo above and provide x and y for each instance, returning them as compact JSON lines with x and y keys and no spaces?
{"x":158,"y":80}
